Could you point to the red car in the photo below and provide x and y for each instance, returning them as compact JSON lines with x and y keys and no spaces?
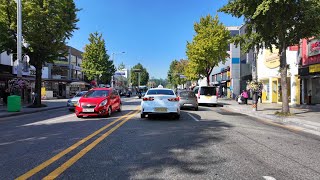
{"x":98,"y":102}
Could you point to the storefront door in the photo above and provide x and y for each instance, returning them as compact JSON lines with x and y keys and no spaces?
{"x":274,"y":91}
{"x":315,"y":98}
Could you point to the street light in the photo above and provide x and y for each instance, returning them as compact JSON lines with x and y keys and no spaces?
{"x":113,"y":54}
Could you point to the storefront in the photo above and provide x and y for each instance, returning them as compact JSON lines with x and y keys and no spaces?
{"x":269,"y":76}
{"x":310,"y":71}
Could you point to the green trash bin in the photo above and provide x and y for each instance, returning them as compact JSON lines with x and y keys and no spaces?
{"x":14,"y":103}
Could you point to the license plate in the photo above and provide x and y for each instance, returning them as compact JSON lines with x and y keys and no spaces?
{"x":160,"y":109}
{"x":208,"y":97}
{"x":188,"y":104}
{"x":88,"y":110}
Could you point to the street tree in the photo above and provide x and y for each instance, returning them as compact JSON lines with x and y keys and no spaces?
{"x":46,"y":25}
{"x":208,"y":47}
{"x":144,"y":75}
{"x":96,"y":64}
{"x":281,"y":23}
{"x":121,"y":66}
{"x":176,"y":71}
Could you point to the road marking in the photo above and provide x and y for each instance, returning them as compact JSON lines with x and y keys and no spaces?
{"x":69,"y":149}
{"x":50,"y":121}
{"x":54,"y":174}
{"x":269,"y":178}
{"x":193,"y":117}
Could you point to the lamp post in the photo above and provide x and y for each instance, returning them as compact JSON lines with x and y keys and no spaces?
{"x":112,"y":77}
{"x":19,"y":38}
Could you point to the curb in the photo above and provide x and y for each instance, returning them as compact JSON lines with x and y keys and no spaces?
{"x":30,"y":112}
{"x":281,"y":121}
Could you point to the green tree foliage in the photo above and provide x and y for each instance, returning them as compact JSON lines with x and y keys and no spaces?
{"x":208,"y":47}
{"x":176,"y":69}
{"x":281,"y":23}
{"x":144,"y":75}
{"x":45,"y":26}
{"x":96,"y":63}
{"x":121,"y":66}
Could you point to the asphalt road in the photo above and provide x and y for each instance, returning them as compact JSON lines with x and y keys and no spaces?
{"x":211,"y":143}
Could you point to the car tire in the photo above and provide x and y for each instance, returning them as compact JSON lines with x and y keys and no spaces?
{"x":109,"y":111}
{"x":177,"y":116}
{"x":79,"y":116}
{"x":196,"y":108}
{"x":142,"y":115}
{"x":120,"y":108}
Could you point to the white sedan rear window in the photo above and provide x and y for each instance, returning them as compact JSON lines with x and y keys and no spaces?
{"x":160,"y":91}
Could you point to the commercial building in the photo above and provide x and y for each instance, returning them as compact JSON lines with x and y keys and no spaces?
{"x":227,"y":77}
{"x":269,"y":74}
{"x":309,"y":71}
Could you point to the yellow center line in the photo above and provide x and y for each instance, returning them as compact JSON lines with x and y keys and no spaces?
{"x":69,"y":149}
{"x":84,"y":151}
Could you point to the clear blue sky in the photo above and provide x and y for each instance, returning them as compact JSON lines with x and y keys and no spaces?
{"x":152,"y":32}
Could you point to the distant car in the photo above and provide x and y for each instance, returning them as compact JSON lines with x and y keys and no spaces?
{"x":160,"y":101}
{"x":188,"y":99}
{"x":99,"y":102}
{"x":207,"y":95}
{"x":72,"y":103}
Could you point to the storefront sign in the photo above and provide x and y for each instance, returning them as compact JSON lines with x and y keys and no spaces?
{"x":272,"y":59}
{"x":313,"y":47}
{"x":314,"y":68}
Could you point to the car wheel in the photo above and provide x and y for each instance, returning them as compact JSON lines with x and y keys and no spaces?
{"x":79,"y":116}
{"x":177,"y":116}
{"x":142,"y":115}
{"x":109,"y":112}
{"x":120,"y":108}
{"x":196,"y":108}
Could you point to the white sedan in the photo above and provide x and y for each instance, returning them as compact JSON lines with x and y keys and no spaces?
{"x":160,"y":101}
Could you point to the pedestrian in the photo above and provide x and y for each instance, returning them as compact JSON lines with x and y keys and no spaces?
{"x":5,"y":96}
{"x":260,"y":96}
{"x":245,"y":95}
{"x":309,"y":96}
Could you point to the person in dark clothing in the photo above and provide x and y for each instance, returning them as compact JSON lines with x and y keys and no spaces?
{"x":5,"y":96}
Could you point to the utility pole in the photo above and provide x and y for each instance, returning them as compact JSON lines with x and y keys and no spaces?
{"x":19,"y":39}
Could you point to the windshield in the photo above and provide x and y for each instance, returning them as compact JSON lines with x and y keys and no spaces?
{"x":187,"y":94}
{"x":162,"y":92}
{"x":80,"y":94}
{"x":97,"y":93}
{"x":208,"y":91}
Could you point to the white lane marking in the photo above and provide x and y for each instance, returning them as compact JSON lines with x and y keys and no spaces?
{"x":193,"y":117}
{"x":269,"y":178}
{"x":50,"y":121}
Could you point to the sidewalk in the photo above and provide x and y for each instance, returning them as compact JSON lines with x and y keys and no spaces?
{"x":51,"y":104}
{"x":305,"y":118}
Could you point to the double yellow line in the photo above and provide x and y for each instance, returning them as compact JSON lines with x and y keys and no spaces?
{"x":76,"y":157}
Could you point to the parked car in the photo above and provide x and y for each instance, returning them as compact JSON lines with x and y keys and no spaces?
{"x":188,"y":99}
{"x":99,"y":102}
{"x":207,"y":95}
{"x":160,"y":101}
{"x":72,"y":103}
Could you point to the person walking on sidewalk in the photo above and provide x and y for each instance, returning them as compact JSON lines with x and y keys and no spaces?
{"x":245,"y":95}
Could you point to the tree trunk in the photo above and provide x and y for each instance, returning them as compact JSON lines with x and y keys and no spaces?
{"x":208,"y":79}
{"x":284,"y":85}
{"x":38,"y":83}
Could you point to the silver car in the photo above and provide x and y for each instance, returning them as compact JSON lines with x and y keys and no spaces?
{"x":71,"y":104}
{"x":188,"y":100}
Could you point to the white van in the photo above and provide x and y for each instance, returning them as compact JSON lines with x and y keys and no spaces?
{"x":206,"y":95}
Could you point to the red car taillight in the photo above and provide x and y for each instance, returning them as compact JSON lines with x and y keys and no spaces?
{"x":174,"y":99}
{"x":148,"y":99}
